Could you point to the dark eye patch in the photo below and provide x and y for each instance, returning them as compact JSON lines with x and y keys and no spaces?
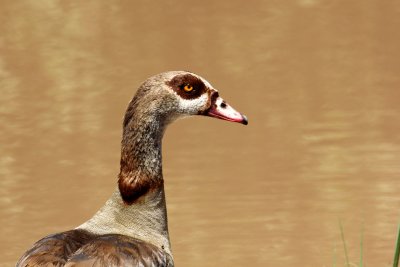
{"x":179,"y":82}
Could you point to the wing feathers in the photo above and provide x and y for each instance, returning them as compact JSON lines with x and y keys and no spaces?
{"x":81,"y":248}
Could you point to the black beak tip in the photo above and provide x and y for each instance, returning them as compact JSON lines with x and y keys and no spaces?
{"x":245,"y":120}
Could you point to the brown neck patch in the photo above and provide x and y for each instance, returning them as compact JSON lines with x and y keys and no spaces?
{"x":134,"y":185}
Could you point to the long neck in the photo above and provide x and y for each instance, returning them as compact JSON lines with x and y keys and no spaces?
{"x":141,"y":163}
{"x":137,"y":208}
{"x":141,"y":147}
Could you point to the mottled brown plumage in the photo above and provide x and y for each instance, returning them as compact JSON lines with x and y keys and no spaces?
{"x":119,"y":250}
{"x":81,"y":248}
{"x":55,"y":249}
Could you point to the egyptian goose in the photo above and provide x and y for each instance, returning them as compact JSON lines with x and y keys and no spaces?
{"x":131,"y":228}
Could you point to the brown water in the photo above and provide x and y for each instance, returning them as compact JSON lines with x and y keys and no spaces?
{"x":319,"y":81}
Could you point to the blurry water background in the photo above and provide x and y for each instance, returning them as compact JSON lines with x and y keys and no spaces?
{"x":318,"y":79}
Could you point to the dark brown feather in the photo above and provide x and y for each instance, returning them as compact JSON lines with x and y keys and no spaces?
{"x":119,"y":250}
{"x":54,"y":250}
{"x":81,"y":248}
{"x":132,"y":187}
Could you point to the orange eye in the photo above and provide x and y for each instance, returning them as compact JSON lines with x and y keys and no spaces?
{"x":188,"y":88}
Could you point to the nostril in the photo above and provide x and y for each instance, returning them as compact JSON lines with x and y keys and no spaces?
{"x":223,"y":105}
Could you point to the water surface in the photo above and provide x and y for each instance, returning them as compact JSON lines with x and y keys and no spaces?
{"x":319,"y":81}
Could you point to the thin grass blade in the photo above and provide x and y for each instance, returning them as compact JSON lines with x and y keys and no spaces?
{"x":397,"y":252}
{"x":344,"y":244}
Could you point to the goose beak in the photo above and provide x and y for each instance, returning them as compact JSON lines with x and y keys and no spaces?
{"x":221,"y":110}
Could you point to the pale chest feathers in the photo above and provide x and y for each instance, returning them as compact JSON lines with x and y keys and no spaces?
{"x":145,"y":220}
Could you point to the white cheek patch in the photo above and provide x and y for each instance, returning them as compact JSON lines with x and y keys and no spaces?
{"x":193,"y":106}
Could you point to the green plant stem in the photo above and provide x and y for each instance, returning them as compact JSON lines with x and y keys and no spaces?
{"x":344,"y":244}
{"x":397,"y":252}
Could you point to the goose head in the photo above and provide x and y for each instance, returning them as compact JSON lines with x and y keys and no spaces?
{"x":178,"y":94}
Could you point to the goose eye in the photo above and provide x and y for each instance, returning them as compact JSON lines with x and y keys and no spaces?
{"x":188,"y":88}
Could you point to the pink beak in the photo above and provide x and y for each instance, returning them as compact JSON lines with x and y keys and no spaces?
{"x":221,"y":110}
